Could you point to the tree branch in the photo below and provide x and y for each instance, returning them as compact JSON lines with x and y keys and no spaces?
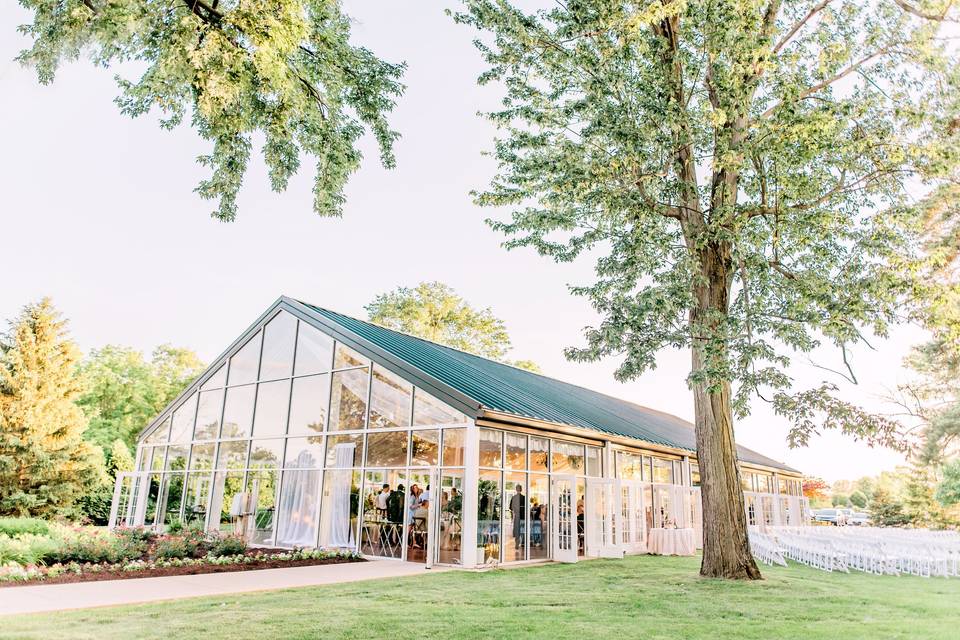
{"x":909,"y":8}
{"x":799,"y":25}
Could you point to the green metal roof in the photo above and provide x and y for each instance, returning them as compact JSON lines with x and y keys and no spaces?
{"x":500,"y":387}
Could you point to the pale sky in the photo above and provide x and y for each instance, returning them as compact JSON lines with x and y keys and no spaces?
{"x":98,"y":212}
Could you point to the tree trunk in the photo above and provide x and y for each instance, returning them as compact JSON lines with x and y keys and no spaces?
{"x":726,"y":547}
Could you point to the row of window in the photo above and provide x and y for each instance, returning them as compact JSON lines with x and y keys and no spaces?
{"x":635,"y":466}
{"x":508,"y":450}
{"x":327,"y":387}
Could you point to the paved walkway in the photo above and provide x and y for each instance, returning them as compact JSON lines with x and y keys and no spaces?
{"x":60,"y":597}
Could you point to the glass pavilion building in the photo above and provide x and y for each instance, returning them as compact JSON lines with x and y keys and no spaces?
{"x":314,"y":429}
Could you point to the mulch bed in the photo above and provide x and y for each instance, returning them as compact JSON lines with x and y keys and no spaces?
{"x":179,"y":571}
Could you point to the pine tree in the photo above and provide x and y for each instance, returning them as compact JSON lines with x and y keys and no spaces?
{"x":920,"y":505}
{"x":45,"y":464}
{"x":886,"y":511}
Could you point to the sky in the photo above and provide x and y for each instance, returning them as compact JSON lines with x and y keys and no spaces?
{"x":97,"y":211}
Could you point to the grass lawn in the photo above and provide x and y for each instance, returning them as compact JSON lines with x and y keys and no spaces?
{"x":640,"y":597}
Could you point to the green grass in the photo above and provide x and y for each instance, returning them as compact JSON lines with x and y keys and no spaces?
{"x":640,"y":597}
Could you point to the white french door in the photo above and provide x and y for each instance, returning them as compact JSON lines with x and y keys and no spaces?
{"x":604,"y":525}
{"x":632,"y":528}
{"x":563,"y":523}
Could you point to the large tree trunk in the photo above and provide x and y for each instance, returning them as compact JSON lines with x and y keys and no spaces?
{"x":726,"y":547}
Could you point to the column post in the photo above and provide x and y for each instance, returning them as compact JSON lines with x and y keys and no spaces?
{"x":471,"y":482}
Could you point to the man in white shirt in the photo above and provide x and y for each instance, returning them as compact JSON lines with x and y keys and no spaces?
{"x":382,"y":499}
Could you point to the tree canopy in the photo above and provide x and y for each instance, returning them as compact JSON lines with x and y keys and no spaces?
{"x":124,"y":391}
{"x":46,"y":466}
{"x":741,"y":173}
{"x":283,"y":70}
{"x":433,"y":311}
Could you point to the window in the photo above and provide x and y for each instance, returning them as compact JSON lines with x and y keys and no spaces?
{"x":515,"y":451}
{"x":348,"y":399}
{"x":429,"y":410}
{"x":695,"y":474}
{"x":491,"y":448}
{"x":629,"y":465}
{"x":567,"y":457}
{"x":266,"y":454}
{"x":183,"y":417}
{"x":424,"y":448}
{"x":201,"y":457}
{"x":238,"y":412}
{"x":308,"y":405}
{"x":270,"y":418}
{"x":453,"y":447}
{"x":278,"y":336}
{"x":304,"y":453}
{"x":314,"y":351}
{"x":160,"y":434}
{"x":663,"y":471}
{"x":217,"y":380}
{"x":299,"y":497}
{"x":390,"y":399}
{"x":594,"y":466}
{"x":345,"y":451}
{"x":177,"y":456}
{"x":539,"y":454}
{"x":233,"y":454}
{"x":208,"y":415}
{"x":387,"y":449}
{"x":243,"y":365}
{"x":345,"y":357}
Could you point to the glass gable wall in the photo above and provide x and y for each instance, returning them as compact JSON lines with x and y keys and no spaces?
{"x":298,"y":440}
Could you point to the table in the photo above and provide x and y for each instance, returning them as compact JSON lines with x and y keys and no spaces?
{"x":671,"y":542}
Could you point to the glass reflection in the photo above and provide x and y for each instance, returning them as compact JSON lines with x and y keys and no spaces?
{"x":278,"y":337}
{"x":390,"y":400}
{"x":208,"y":415}
{"x":238,"y":412}
{"x":262,"y":487}
{"x":244,"y":363}
{"x":429,"y":410}
{"x":270,"y":418}
{"x":451,"y":517}
{"x":308,"y":405}
{"x":314,"y":351}
{"x":424,"y":448}
{"x":488,"y":516}
{"x":348,"y":399}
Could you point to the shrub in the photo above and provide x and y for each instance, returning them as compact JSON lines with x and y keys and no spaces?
{"x":25,"y":549}
{"x":14,"y":527}
{"x":135,"y":535}
{"x":228,"y":546}
{"x":171,"y":547}
{"x":175,"y":527}
{"x":89,"y":545}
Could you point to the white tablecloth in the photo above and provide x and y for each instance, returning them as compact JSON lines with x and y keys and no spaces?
{"x":671,"y":542}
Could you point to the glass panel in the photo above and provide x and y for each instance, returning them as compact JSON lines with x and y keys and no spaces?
{"x":429,"y":410}
{"x":662,"y":471}
{"x":581,"y":524}
{"x":346,"y":357}
{"x":308,"y":406}
{"x":418,"y":505}
{"x":340,"y":507}
{"x":539,"y":454}
{"x":515,"y":449}
{"x":647,"y":465}
{"x":158,"y":458}
{"x":266,"y":454}
{"x":629,"y":466}
{"x":183,"y":417}
{"x":453,"y":447}
{"x":593,"y":462}
{"x":304,"y":453}
{"x":263,"y":487}
{"x":424,"y":448}
{"x":488,"y":516}
{"x":226,"y":487}
{"x":389,"y":399}
{"x":297,"y":522}
{"x":270,"y":419}
{"x":382,"y":531}
{"x":491,"y":448}
{"x":388,"y":449}
{"x":233,"y":454}
{"x":208,"y":415}
{"x":340,"y":455}
{"x":238,"y":412}
{"x":153,"y":495}
{"x":539,"y":514}
{"x":567,"y":457}
{"x":198,"y":497}
{"x":177,"y":456}
{"x":217,"y":380}
{"x":648,"y":505}
{"x":144,"y":462}
{"x":201,"y":457}
{"x":171,"y":498}
{"x":515,"y":518}
{"x":243,"y":365}
{"x":159,"y":435}
{"x":451,"y":516}
{"x":348,"y":399}
{"x":314,"y":351}
{"x":277,"y":358}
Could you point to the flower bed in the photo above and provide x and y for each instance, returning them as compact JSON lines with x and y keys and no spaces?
{"x":34,"y":551}
{"x":14,"y":574}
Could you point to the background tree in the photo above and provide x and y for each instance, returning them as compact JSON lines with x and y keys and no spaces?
{"x":948,"y":491}
{"x":283,"y":70}
{"x":858,"y":499}
{"x":739,"y":169}
{"x":124,"y":391}
{"x":95,"y":505}
{"x":815,"y":489}
{"x":45,"y":464}
{"x":433,"y":311}
{"x":887,"y":511}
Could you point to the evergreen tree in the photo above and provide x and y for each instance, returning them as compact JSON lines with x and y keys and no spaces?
{"x":95,"y":505}
{"x":948,"y":491}
{"x":920,"y":505}
{"x":886,"y":511}
{"x":45,"y":464}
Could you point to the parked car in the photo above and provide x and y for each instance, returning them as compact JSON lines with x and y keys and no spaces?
{"x":835,"y":517}
{"x":859,"y":519}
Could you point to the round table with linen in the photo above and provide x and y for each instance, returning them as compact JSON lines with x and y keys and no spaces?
{"x":671,"y":542}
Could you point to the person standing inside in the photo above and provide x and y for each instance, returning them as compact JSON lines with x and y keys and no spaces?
{"x":518,"y":507}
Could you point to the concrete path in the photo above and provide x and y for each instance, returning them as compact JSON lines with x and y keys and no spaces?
{"x":60,"y":597}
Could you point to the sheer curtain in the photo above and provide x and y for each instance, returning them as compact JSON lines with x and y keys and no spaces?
{"x":297,"y":524}
{"x":340,"y":530}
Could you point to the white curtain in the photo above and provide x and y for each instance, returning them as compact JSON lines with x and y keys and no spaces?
{"x":340,"y":530}
{"x":297,"y":523}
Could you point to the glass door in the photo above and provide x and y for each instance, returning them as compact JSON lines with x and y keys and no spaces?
{"x":563,"y":524}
